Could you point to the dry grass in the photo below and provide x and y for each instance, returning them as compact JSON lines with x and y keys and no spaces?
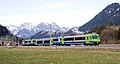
{"x":109,"y":45}
{"x":58,"y":56}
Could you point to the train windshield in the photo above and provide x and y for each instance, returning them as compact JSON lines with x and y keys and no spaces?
{"x":95,"y":37}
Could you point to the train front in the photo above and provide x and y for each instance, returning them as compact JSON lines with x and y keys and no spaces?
{"x":96,"y":39}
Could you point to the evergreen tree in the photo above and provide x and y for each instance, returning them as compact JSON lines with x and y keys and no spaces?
{"x":118,"y":34}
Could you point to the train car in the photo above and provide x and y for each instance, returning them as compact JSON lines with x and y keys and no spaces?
{"x":87,"y":39}
{"x":27,"y":42}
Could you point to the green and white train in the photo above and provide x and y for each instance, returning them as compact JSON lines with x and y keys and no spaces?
{"x":87,"y":39}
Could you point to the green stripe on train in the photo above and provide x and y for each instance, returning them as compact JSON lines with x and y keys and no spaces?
{"x":51,"y":41}
{"x":63,"y":40}
{"x":87,"y":41}
{"x":87,"y":38}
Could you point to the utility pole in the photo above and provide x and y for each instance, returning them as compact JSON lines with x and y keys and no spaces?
{"x":18,"y":41}
{"x":15,"y":41}
{"x":50,"y":30}
{"x":0,"y":41}
{"x":6,"y":40}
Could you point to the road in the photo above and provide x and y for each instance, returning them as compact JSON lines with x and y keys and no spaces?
{"x":106,"y":47}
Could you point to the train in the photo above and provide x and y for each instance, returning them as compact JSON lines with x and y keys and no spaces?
{"x":86,"y":39}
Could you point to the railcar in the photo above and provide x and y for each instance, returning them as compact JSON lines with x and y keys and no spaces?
{"x":87,"y":39}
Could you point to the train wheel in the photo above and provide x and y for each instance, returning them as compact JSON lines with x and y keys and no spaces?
{"x":95,"y":44}
{"x":90,"y":44}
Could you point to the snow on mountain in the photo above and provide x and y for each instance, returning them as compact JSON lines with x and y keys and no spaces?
{"x":54,"y":27}
{"x":64,"y":29}
{"x":76,"y":30}
{"x":25,"y":33}
{"x":13,"y":29}
{"x":27,"y":25}
{"x":42,"y":26}
{"x":109,"y":15}
{"x":49,"y":27}
{"x":26,"y":30}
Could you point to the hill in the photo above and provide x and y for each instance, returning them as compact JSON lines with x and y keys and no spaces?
{"x":109,"y":15}
{"x":7,"y":38}
{"x":4,"y":31}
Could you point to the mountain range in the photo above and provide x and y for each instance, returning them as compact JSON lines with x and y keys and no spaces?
{"x":58,"y":33}
{"x":26,"y":30}
{"x":109,"y":15}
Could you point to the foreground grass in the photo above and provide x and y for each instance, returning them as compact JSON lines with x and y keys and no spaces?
{"x":59,"y":56}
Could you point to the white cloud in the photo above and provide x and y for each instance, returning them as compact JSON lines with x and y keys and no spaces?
{"x":68,"y":19}
{"x":66,"y":13}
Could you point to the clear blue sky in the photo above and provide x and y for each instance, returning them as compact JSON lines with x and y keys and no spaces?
{"x":67,"y":13}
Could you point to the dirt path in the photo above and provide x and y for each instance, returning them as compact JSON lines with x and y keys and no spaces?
{"x":109,"y":44}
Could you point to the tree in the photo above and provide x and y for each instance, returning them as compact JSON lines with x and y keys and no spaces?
{"x":118,"y":33}
{"x":98,"y":29}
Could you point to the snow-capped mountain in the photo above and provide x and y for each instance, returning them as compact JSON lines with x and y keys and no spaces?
{"x":49,"y":27}
{"x":42,"y":26}
{"x":73,"y":31}
{"x":76,"y":30}
{"x":26,"y":30}
{"x":27,"y":25}
{"x":57,"y":33}
{"x":109,"y":15}
{"x":13,"y":29}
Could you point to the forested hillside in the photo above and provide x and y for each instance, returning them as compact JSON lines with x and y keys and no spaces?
{"x":4,"y":31}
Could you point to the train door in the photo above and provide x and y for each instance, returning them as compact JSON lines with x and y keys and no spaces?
{"x":63,"y":41}
{"x":35,"y":42}
{"x":51,"y":41}
{"x":87,"y":39}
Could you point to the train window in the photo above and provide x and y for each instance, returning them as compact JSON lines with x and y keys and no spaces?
{"x":47,"y":41}
{"x":60,"y":39}
{"x":87,"y":38}
{"x":55,"y":39}
{"x":39,"y":41}
{"x":29,"y":41}
{"x":34,"y":41}
{"x":68,"y":39}
{"x":25,"y":41}
{"x":95,"y":37}
{"x":79,"y":38}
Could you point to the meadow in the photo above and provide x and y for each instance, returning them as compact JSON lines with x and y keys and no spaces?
{"x":59,"y":56}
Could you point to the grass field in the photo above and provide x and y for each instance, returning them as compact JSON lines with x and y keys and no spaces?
{"x":59,"y":56}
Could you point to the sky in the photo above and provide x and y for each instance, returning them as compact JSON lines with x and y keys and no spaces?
{"x":66,"y":13}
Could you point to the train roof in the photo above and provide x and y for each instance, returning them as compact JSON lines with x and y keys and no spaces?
{"x":64,"y":37}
